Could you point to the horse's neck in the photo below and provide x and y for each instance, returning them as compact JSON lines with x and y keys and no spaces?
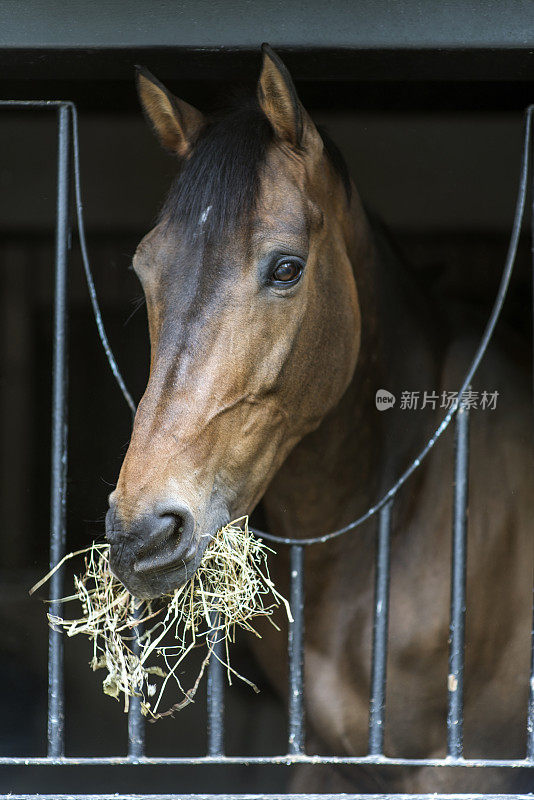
{"x":335,"y":473}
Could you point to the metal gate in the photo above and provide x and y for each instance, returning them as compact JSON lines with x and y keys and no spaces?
{"x":68,"y":167}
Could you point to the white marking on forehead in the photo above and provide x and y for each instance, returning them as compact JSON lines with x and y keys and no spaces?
{"x":204,"y":215}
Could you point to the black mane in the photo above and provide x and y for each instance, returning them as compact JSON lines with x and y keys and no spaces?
{"x":218,"y":184}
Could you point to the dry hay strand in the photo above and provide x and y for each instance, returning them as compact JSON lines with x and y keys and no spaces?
{"x":142,"y":644}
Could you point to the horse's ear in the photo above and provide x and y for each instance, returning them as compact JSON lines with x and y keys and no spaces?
{"x":279,"y":102}
{"x":175,"y":122}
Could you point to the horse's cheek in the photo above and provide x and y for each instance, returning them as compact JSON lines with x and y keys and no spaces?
{"x":336,"y":331}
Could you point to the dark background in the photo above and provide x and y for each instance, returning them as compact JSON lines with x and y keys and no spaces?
{"x":427,"y":109}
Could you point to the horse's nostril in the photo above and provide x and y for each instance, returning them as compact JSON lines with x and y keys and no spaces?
{"x":155,"y":540}
{"x":181,"y":519}
{"x":176,"y":520}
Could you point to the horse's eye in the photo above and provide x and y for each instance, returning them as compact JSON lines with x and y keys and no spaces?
{"x":287,"y":271}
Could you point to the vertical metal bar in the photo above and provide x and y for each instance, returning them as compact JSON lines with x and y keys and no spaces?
{"x":136,"y":721}
{"x":530,"y":710}
{"x":216,"y":695}
{"x":530,"y":717}
{"x":458,"y":573}
{"x":380,"y":634}
{"x":59,"y":437}
{"x":296,"y":653}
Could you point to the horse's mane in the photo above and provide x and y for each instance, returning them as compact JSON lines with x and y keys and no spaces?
{"x":218,"y":184}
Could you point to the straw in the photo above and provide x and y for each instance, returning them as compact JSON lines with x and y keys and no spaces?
{"x":142,"y":644}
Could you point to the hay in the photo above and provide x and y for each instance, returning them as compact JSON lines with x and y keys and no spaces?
{"x":142,"y":644}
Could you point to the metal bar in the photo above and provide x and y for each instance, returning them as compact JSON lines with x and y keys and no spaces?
{"x":59,"y":437}
{"x":264,"y":796}
{"x":296,"y":733}
{"x":20,"y":105}
{"x":215,"y":696}
{"x":530,"y":710}
{"x":286,"y":759}
{"x":136,"y":730}
{"x":136,"y":721}
{"x":380,"y":634}
{"x":530,"y":716}
{"x":458,"y":571}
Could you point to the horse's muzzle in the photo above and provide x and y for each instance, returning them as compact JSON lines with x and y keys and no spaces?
{"x":155,"y":553}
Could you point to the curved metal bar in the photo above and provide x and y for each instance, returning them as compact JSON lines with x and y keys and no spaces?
{"x":477,"y":358}
{"x":444,"y":424}
{"x":87,"y":267}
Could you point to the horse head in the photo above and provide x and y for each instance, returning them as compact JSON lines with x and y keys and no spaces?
{"x":254,"y":321}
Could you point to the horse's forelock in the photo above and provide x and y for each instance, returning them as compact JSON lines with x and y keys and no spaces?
{"x":218,"y":184}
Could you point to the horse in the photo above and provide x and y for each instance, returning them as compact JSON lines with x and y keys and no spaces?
{"x":277,"y":308}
